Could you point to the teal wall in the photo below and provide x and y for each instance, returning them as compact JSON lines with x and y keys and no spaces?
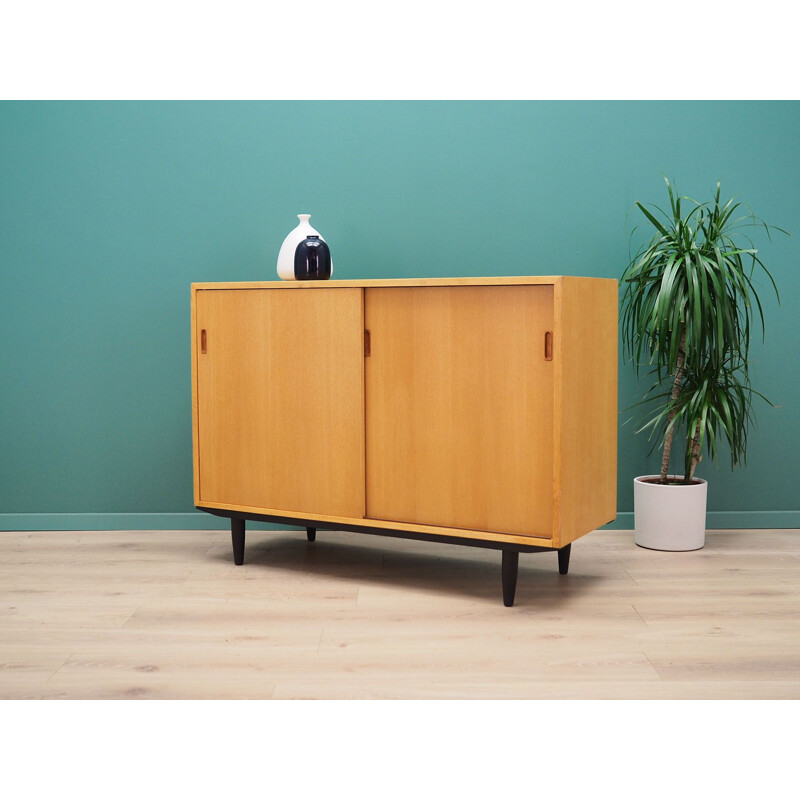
{"x":108,"y":210}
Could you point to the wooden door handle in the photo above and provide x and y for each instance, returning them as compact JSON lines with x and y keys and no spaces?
{"x":367,"y":344}
{"x":548,"y":346}
{"x":203,"y":348}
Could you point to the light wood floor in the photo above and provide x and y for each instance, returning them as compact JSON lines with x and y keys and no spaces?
{"x":166,"y":614}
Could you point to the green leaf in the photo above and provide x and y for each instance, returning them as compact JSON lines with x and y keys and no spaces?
{"x":695,"y":278}
{"x":652,"y":219}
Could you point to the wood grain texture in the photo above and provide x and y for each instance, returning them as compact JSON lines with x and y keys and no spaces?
{"x":332,"y":521}
{"x":468,"y":429}
{"x":585,"y":454}
{"x":280,"y":410}
{"x":165,"y":614}
{"x":510,"y":280}
{"x":459,"y":401}
{"x":194,"y":337}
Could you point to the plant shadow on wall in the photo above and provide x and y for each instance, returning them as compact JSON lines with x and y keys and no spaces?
{"x":688,"y":306}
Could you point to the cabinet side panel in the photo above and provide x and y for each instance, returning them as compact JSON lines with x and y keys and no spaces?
{"x":587,"y":348}
{"x":280,"y":400}
{"x":195,"y":419}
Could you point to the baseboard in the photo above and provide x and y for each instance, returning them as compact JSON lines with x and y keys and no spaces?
{"x":727,"y":520}
{"x":194,"y":521}
{"x":191,"y":521}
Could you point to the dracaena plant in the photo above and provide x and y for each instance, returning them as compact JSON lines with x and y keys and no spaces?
{"x":687,"y":311}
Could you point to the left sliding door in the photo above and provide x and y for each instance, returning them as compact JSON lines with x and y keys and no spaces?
{"x":280,"y":399}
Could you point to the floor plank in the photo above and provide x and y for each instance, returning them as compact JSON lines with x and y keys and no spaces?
{"x":166,"y":614}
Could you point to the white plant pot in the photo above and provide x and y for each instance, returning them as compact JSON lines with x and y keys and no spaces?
{"x":669,"y":517}
{"x":297,"y":235}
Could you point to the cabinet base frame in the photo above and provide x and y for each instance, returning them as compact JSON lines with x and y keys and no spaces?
{"x":510,"y":563}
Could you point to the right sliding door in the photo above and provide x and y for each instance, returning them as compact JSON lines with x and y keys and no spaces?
{"x":459,"y":407}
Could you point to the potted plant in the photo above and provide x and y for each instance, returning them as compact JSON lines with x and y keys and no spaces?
{"x":687,"y":310}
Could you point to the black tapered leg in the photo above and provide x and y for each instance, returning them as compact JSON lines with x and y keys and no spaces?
{"x":237,"y":537}
{"x":311,"y":534}
{"x":510,"y":567}
{"x":563,"y":559}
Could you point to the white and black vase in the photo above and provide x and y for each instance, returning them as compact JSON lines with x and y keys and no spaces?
{"x":312,"y":260}
{"x":289,"y":247}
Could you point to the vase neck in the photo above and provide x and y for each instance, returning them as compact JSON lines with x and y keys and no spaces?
{"x":304,"y":218}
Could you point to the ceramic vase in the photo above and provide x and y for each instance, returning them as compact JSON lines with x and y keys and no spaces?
{"x":289,"y":247}
{"x":312,"y":260}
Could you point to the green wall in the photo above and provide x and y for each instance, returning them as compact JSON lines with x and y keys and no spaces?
{"x":108,"y":210}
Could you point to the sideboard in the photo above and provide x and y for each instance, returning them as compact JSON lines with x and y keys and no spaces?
{"x":476,"y":411}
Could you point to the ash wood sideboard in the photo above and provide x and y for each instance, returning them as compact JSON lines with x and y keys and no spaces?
{"x":476,"y":411}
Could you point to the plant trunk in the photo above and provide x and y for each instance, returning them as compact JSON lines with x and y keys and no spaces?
{"x":676,"y":387}
{"x":696,"y":457}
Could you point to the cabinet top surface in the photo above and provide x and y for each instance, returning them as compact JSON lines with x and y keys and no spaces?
{"x":510,"y":280}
